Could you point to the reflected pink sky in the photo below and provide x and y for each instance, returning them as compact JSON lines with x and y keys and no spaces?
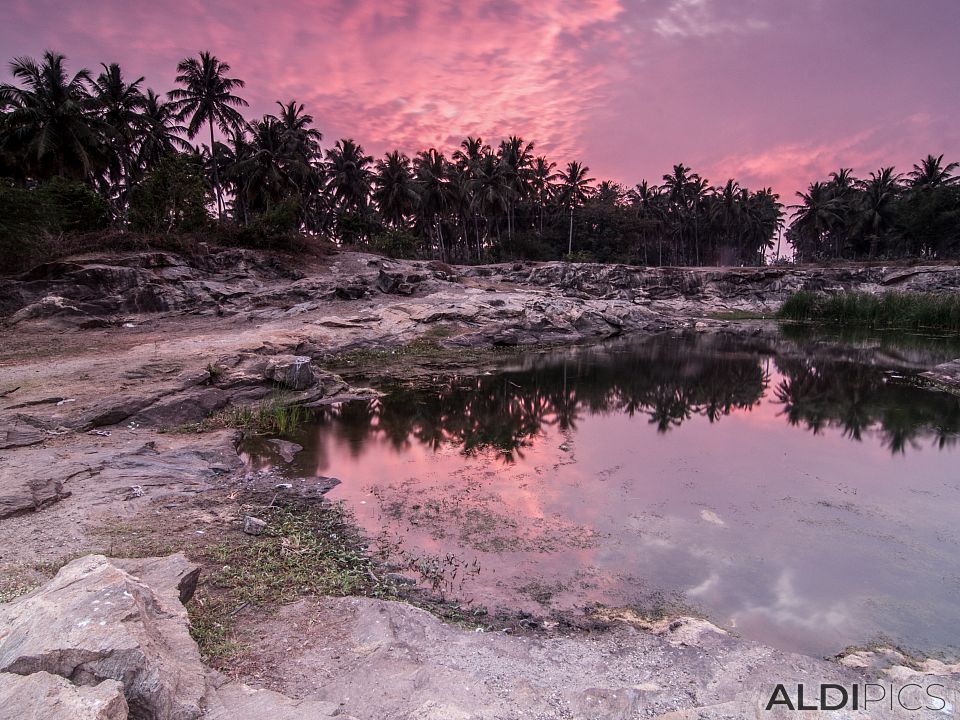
{"x":771,"y":92}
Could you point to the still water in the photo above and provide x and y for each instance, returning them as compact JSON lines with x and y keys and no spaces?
{"x":803,"y":492}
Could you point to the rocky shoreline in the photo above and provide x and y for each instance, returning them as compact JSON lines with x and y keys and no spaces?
{"x":104,"y":362}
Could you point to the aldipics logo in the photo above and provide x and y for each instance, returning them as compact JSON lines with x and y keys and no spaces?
{"x":861,"y":696}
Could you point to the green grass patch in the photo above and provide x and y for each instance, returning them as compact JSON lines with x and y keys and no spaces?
{"x":274,"y":416}
{"x":918,"y":311}
{"x":304,"y":550}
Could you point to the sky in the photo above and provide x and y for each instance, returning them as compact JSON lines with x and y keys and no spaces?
{"x":770,"y":92}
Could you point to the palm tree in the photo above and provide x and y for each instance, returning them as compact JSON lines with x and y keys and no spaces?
{"x":879,"y":196}
{"x":816,"y":216}
{"x":430,"y":171}
{"x":207,"y":98}
{"x":686,"y":190}
{"x":119,"y":105}
{"x":159,"y":133}
{"x":931,"y":172}
{"x":300,"y":156}
{"x":51,"y":122}
{"x":542,"y":179}
{"x":647,"y":201}
{"x":348,"y":174}
{"x":515,"y":157}
{"x":489,"y":195}
{"x":395,"y":192}
{"x":575,"y":189}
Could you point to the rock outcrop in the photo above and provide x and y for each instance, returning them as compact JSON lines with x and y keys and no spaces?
{"x":108,"y":639}
{"x":96,"y":621}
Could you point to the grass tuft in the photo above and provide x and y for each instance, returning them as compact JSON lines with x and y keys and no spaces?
{"x":918,"y":311}
{"x":273,"y":416}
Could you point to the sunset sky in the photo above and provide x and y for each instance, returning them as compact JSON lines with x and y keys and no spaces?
{"x":768,"y":91}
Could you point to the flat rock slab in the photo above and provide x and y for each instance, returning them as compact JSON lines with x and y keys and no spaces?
{"x":236,"y":701}
{"x":28,"y":486}
{"x":20,"y":435}
{"x":382,"y":659}
{"x":42,"y":696}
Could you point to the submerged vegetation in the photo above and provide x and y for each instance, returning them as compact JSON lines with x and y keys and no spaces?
{"x":919,"y":311}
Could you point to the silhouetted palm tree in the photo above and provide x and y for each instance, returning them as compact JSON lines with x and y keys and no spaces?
{"x":395,"y":192}
{"x":575,"y":189}
{"x":931,"y":172}
{"x":159,"y":134}
{"x":119,"y":105}
{"x":207,"y":97}
{"x":51,"y":121}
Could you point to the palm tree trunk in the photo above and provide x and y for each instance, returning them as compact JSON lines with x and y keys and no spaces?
{"x":216,"y":174}
{"x":570,"y":238}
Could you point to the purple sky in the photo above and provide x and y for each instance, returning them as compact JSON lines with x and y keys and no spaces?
{"x":768,"y":91}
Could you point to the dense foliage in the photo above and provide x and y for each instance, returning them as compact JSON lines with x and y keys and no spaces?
{"x":132,"y":148}
{"x":888,"y":215}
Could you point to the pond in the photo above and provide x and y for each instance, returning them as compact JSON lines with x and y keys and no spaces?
{"x":803,"y":492}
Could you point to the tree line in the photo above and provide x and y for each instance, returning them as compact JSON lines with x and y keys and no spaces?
{"x":887,"y":215}
{"x":82,"y":151}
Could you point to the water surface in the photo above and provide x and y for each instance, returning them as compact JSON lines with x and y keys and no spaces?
{"x":803,"y":493}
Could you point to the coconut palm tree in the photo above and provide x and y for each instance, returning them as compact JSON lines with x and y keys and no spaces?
{"x":348,"y":175}
{"x":119,"y":105}
{"x":816,"y":216}
{"x":395,"y":192}
{"x":207,"y":98}
{"x":880,"y":193}
{"x":542,"y":184}
{"x":51,"y":121}
{"x":159,"y":134}
{"x":574,"y":190}
{"x":430,"y":172}
{"x":931,"y":172}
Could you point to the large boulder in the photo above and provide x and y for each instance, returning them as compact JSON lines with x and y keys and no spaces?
{"x":42,"y":696}
{"x":101,"y":620}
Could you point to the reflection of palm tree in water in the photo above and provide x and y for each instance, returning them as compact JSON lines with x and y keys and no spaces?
{"x":856,"y":397}
{"x":671,"y":380}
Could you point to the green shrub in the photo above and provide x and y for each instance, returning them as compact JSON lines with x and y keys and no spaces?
{"x":172,"y":197}
{"x":889,"y":310}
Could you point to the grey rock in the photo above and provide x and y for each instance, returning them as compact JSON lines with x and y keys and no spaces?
{"x":286,"y":449}
{"x":20,"y":435}
{"x":42,"y":696}
{"x":191,"y":406}
{"x":237,"y":701}
{"x":27,"y":486}
{"x":293,"y":371}
{"x":253,"y":526}
{"x":95,"y":621}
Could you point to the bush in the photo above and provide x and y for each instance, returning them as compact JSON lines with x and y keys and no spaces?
{"x":32,"y":219}
{"x":73,"y":207}
{"x":395,"y":243}
{"x":172,"y":197}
